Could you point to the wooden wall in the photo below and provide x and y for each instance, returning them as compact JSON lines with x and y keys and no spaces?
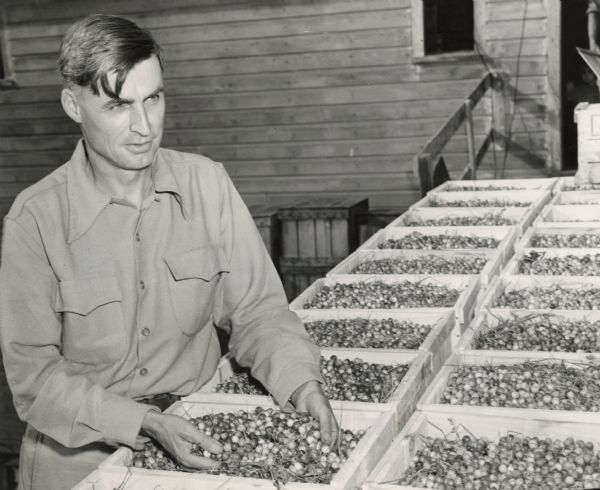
{"x":296,"y":98}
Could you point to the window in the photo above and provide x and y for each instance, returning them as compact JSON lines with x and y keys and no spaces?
{"x":441,"y":27}
{"x":448,"y":26}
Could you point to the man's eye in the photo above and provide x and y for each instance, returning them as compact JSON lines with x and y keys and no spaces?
{"x":154,"y":97}
{"x":117,"y":107}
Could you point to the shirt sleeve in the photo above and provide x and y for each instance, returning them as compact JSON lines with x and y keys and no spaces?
{"x":592,"y":6}
{"x":49,"y":392}
{"x":265,"y":335}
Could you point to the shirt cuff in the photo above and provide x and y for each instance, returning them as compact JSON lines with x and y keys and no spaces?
{"x":122,"y":420}
{"x":293,"y":378}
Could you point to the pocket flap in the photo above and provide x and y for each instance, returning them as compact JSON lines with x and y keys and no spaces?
{"x":202,"y":263}
{"x":82,"y":296}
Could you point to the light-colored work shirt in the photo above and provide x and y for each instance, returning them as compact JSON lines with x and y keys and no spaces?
{"x":593,"y":6}
{"x":102,"y":302}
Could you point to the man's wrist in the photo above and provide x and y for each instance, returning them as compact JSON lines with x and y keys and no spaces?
{"x":304,"y":390}
{"x":151,"y":422}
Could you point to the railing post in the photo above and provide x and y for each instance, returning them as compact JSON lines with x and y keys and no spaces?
{"x":500,"y":107}
{"x":472,"y":166}
{"x":424,"y":170}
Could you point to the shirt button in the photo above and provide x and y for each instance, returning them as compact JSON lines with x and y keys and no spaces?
{"x":137,"y":237}
{"x":143,"y":372}
{"x":145,"y":332}
{"x":142,"y":285}
{"x":157,"y":199}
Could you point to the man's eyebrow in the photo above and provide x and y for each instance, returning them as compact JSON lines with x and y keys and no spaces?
{"x":156,"y":92}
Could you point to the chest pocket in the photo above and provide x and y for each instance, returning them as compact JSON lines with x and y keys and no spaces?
{"x":194,"y":279}
{"x":92,"y":315}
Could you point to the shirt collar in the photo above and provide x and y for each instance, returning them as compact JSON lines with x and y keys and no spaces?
{"x":86,"y":200}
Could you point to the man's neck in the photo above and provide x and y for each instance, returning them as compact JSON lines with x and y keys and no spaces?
{"x":127,"y":185}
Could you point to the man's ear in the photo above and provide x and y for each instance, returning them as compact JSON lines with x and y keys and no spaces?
{"x":68,"y":99}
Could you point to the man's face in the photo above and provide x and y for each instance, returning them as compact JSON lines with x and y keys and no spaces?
{"x":125,"y":133}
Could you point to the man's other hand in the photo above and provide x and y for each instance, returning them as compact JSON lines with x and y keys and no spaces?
{"x":177,"y":436}
{"x":309,"y":398}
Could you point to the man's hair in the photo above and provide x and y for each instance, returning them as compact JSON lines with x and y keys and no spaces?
{"x":99,"y":44}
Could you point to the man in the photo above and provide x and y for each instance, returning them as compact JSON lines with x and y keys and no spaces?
{"x":116,"y":268}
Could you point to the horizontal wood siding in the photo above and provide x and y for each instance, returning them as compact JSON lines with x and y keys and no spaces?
{"x":296,"y":98}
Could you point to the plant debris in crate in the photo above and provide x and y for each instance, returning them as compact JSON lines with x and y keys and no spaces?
{"x":435,"y":202}
{"x":488,"y":187}
{"x":572,"y":240}
{"x":264,"y":443}
{"x":378,"y":294}
{"x":512,"y":462}
{"x":429,"y":264}
{"x":345,"y":379}
{"x":537,"y":263}
{"x":488,"y":219}
{"x":551,"y":297}
{"x":540,"y":332}
{"x":367,"y":333}
{"x":536,"y":385}
{"x":416,"y":240}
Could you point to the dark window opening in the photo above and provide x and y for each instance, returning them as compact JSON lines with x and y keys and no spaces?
{"x":448,"y":26}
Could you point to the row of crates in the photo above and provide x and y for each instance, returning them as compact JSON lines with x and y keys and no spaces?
{"x":396,"y":429}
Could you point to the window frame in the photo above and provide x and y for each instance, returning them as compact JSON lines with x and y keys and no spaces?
{"x":8,"y":79}
{"x":418,"y":36}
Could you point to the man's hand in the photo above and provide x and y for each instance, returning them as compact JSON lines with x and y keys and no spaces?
{"x":177,"y":435}
{"x":310,"y":398}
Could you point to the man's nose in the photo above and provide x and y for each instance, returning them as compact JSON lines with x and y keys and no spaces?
{"x":139,"y":120}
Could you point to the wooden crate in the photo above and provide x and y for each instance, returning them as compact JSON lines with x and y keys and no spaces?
{"x":496,"y":184}
{"x":431,"y":400}
{"x":574,"y":198}
{"x":402,"y":401}
{"x":463,"y":310}
{"x":568,"y":184}
{"x":565,"y":215}
{"x":315,"y":235}
{"x":512,"y":268}
{"x":526,"y":241}
{"x":326,"y":227}
{"x":435,"y":424}
{"x":508,"y":282}
{"x":536,"y":199}
{"x":437,"y":342}
{"x":506,"y":235}
{"x":495,"y":260}
{"x":380,"y":430}
{"x":485,"y":320}
{"x":521,"y":218}
{"x":269,"y":227}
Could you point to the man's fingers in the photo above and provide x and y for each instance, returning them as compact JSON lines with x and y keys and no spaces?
{"x":328,"y":427}
{"x":193,"y":461}
{"x":205,"y":442}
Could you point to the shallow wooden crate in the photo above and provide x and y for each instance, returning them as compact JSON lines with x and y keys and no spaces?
{"x":395,"y":461}
{"x":526,"y":241}
{"x":437,"y":342}
{"x":402,"y":401}
{"x":568,"y":183}
{"x":506,"y":235}
{"x":379,"y":425}
{"x":463,"y":310}
{"x":508,"y":282}
{"x":521,"y":218}
{"x":512,"y":268}
{"x":269,"y":227}
{"x":485,"y":320}
{"x":576,"y":198}
{"x":536,"y":199}
{"x":495,"y":260}
{"x":496,"y":184}
{"x":565,"y":215}
{"x":431,"y":400}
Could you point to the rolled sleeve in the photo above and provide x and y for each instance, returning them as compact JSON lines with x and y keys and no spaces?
{"x":265,"y":335}
{"x":593,"y":6}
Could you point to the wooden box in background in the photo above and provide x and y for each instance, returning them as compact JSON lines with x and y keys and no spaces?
{"x":315,"y":235}
{"x":267,"y":222}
